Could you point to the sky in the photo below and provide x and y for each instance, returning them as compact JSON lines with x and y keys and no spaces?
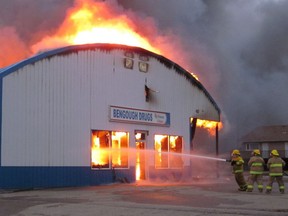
{"x":237,"y":48}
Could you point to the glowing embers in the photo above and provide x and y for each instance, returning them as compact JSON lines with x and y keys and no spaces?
{"x":109,"y":149}
{"x":168,"y":151}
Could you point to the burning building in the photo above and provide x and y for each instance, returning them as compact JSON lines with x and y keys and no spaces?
{"x":86,"y":115}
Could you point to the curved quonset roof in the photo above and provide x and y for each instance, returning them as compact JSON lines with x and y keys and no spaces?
{"x":108,"y":47}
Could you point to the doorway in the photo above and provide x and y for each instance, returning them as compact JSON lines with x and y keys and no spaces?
{"x":140,"y":143}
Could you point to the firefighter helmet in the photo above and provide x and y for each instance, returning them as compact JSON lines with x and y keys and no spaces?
{"x":235,"y":152}
{"x":274,"y":152}
{"x":256,"y":152}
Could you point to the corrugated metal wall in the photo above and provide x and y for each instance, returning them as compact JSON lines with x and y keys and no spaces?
{"x":50,"y":107}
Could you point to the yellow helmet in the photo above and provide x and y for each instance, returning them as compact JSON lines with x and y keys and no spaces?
{"x":274,"y":152}
{"x":235,"y":152}
{"x":256,"y":152}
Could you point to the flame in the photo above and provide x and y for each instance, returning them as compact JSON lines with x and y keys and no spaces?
{"x":138,"y":170}
{"x":194,"y":75}
{"x":173,"y":141}
{"x":99,"y":155}
{"x":117,"y":152}
{"x":209,"y":125}
{"x":95,"y":22}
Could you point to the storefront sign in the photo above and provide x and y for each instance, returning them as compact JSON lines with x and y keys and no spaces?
{"x":130,"y":115}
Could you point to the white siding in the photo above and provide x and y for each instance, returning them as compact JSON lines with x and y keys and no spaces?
{"x":50,"y":107}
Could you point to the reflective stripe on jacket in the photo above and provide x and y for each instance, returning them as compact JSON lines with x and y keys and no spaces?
{"x":256,"y":164}
{"x":275,"y":166}
{"x":238,"y":164}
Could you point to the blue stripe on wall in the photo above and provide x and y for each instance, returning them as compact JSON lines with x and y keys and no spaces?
{"x":46,"y":177}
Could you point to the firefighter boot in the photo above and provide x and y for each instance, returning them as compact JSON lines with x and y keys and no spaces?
{"x":260,"y":188}
{"x":243,"y":188}
{"x":249,"y":188}
{"x":281,"y":189}
{"x":268,"y":189}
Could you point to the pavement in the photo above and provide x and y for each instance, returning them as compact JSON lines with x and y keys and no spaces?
{"x":214,"y":196}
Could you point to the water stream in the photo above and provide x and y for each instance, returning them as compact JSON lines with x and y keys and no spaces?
{"x":198,"y":156}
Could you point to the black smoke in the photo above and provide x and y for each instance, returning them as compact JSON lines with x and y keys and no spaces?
{"x":239,"y":49}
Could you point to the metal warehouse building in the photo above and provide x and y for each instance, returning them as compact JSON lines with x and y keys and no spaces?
{"x":70,"y":116}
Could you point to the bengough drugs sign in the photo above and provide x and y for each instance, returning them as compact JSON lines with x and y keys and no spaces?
{"x":131,"y":115}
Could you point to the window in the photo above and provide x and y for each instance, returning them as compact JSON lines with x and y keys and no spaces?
{"x":175,"y":145}
{"x":100,"y":149}
{"x":119,"y":150}
{"x":109,"y":149}
{"x":129,"y":62}
{"x":168,"y":151}
{"x":143,"y":67}
{"x":251,"y":146}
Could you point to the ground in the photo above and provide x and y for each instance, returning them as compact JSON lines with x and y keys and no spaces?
{"x":217,"y":196}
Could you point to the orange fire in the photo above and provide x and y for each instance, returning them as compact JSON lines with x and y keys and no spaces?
{"x":95,"y":22}
{"x":99,"y":155}
{"x":209,"y":125}
{"x":100,"y":22}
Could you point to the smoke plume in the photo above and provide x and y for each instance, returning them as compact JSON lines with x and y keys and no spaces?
{"x":238,"y":49}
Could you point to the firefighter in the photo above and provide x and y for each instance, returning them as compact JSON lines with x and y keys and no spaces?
{"x":256,"y":165}
{"x":237,"y":164}
{"x":275,"y":165}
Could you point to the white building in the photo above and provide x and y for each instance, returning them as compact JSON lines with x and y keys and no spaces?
{"x":70,"y":115}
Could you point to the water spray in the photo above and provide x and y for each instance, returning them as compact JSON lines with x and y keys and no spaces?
{"x":193,"y":156}
{"x":180,"y":154}
{"x":206,"y":157}
{"x":201,"y":157}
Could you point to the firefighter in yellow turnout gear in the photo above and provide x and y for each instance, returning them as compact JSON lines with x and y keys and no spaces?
{"x":237,"y":164}
{"x":275,"y":165}
{"x":256,"y":164}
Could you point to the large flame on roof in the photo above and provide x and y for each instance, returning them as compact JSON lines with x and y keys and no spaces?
{"x":95,"y":22}
{"x":105,"y":22}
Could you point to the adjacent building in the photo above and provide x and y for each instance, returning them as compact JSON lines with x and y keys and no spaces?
{"x":266,"y":138}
